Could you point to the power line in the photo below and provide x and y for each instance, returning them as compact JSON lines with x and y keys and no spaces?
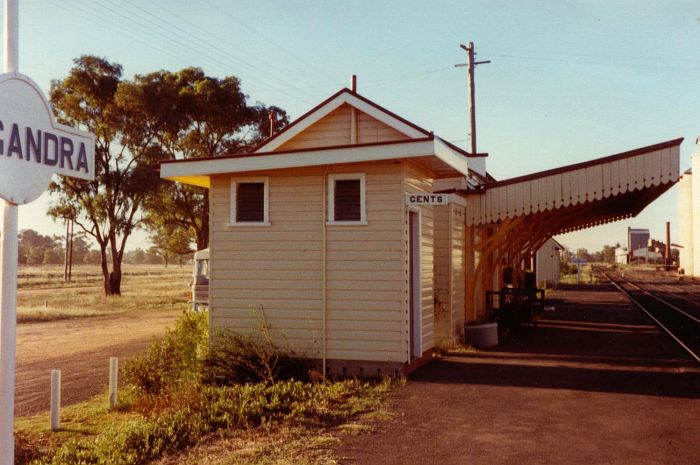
{"x":208,"y":44}
{"x":134,"y":19}
{"x":616,"y":63}
{"x":109,"y":25}
{"x":266,"y":38}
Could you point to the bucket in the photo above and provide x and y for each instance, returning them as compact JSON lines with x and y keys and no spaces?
{"x":481,"y":334}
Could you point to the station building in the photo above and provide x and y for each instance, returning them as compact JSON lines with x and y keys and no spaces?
{"x":363,"y":240}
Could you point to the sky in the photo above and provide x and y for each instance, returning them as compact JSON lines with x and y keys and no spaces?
{"x":568,"y":80}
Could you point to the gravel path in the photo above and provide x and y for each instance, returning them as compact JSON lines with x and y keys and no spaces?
{"x":80,"y":348}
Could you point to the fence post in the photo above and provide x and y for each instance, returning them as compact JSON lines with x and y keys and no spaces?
{"x":113,"y":380}
{"x":55,"y":399}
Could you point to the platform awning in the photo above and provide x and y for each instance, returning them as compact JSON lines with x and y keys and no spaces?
{"x":581,"y":195}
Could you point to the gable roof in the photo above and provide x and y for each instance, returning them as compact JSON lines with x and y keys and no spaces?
{"x":446,"y":160}
{"x":343,"y":96}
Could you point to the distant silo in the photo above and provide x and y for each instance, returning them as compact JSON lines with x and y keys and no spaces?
{"x":695,"y":181}
{"x":685,"y":223}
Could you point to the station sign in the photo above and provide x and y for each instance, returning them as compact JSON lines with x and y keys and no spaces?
{"x":427,"y":199}
{"x":33,"y":146}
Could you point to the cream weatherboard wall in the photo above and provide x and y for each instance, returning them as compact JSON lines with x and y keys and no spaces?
{"x":364,"y":263}
{"x":449,"y":273}
{"x":417,"y":181}
{"x":335,"y":129}
{"x":275,"y":272}
{"x":269,"y":274}
{"x":459,"y":271}
{"x":441,"y":273}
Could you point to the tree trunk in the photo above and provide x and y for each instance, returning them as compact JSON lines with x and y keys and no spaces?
{"x":105,"y":269}
{"x":115,"y":277}
{"x":203,"y":232}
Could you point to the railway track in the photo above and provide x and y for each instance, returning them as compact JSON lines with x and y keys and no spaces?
{"x":676,"y":315}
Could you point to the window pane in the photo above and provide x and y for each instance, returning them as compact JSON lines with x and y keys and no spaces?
{"x":250,"y":202}
{"x":347,"y":200}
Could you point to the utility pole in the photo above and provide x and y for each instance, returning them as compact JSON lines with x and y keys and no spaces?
{"x":65,"y":251}
{"x":68,"y":253}
{"x":470,"y":64}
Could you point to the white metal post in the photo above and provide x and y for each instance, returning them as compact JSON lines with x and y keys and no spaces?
{"x":11,"y":39}
{"x":8,"y":274}
{"x":8,"y":321}
{"x":113,"y":381}
{"x":55,"y":399}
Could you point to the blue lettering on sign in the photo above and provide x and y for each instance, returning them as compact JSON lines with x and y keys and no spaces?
{"x":66,"y":152}
{"x":82,"y":159}
{"x":33,"y":145}
{"x":43,"y":147}
{"x":50,"y":156}
{"x":15,"y":146}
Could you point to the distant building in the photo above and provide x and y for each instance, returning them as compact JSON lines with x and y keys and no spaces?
{"x":637,"y":239}
{"x":647,"y":255}
{"x":547,"y":263}
{"x":621,"y":255}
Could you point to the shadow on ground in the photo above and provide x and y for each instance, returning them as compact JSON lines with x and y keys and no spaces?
{"x":604,"y":345}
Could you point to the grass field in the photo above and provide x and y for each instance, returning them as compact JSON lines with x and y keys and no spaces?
{"x":44,"y":296}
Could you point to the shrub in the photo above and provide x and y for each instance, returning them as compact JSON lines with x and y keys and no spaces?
{"x":172,"y":360}
{"x":236,"y":359}
{"x":568,"y":269}
{"x":141,"y":441}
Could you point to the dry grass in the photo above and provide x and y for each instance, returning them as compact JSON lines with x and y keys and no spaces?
{"x":587,"y":276}
{"x":279,"y":446}
{"x":44,"y":297}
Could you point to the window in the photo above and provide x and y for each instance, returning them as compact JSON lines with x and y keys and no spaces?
{"x":346,"y":199}
{"x":249,"y":202}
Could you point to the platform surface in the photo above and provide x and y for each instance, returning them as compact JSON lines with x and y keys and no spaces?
{"x":594,"y":383}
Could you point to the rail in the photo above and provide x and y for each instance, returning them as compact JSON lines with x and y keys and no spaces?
{"x":680,"y":325}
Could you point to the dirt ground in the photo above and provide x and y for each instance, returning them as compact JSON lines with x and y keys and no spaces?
{"x":80,"y":348}
{"x":595,"y":383}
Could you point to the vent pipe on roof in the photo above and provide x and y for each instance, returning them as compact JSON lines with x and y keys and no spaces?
{"x":271,"y":117}
{"x":354,"y":126}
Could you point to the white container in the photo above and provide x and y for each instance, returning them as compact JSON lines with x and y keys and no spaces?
{"x":481,"y":335}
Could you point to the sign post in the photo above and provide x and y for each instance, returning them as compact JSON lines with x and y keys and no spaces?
{"x":33,"y":147}
{"x":8,"y":274}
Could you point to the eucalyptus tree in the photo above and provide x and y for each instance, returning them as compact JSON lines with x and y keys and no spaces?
{"x":198,"y":116}
{"x":138,"y":123}
{"x":107,"y":208}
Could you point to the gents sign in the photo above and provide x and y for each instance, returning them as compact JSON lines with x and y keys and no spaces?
{"x":33,"y":146}
{"x":427,"y":199}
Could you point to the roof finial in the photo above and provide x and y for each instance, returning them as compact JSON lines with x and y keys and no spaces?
{"x":353,"y":83}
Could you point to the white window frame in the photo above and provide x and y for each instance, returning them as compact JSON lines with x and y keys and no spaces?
{"x":266,"y":203}
{"x":332,"y":178}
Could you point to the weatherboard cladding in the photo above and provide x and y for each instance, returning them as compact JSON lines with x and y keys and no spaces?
{"x":273,"y":273}
{"x":449,"y":269}
{"x":334,"y":130}
{"x":417,"y":180}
